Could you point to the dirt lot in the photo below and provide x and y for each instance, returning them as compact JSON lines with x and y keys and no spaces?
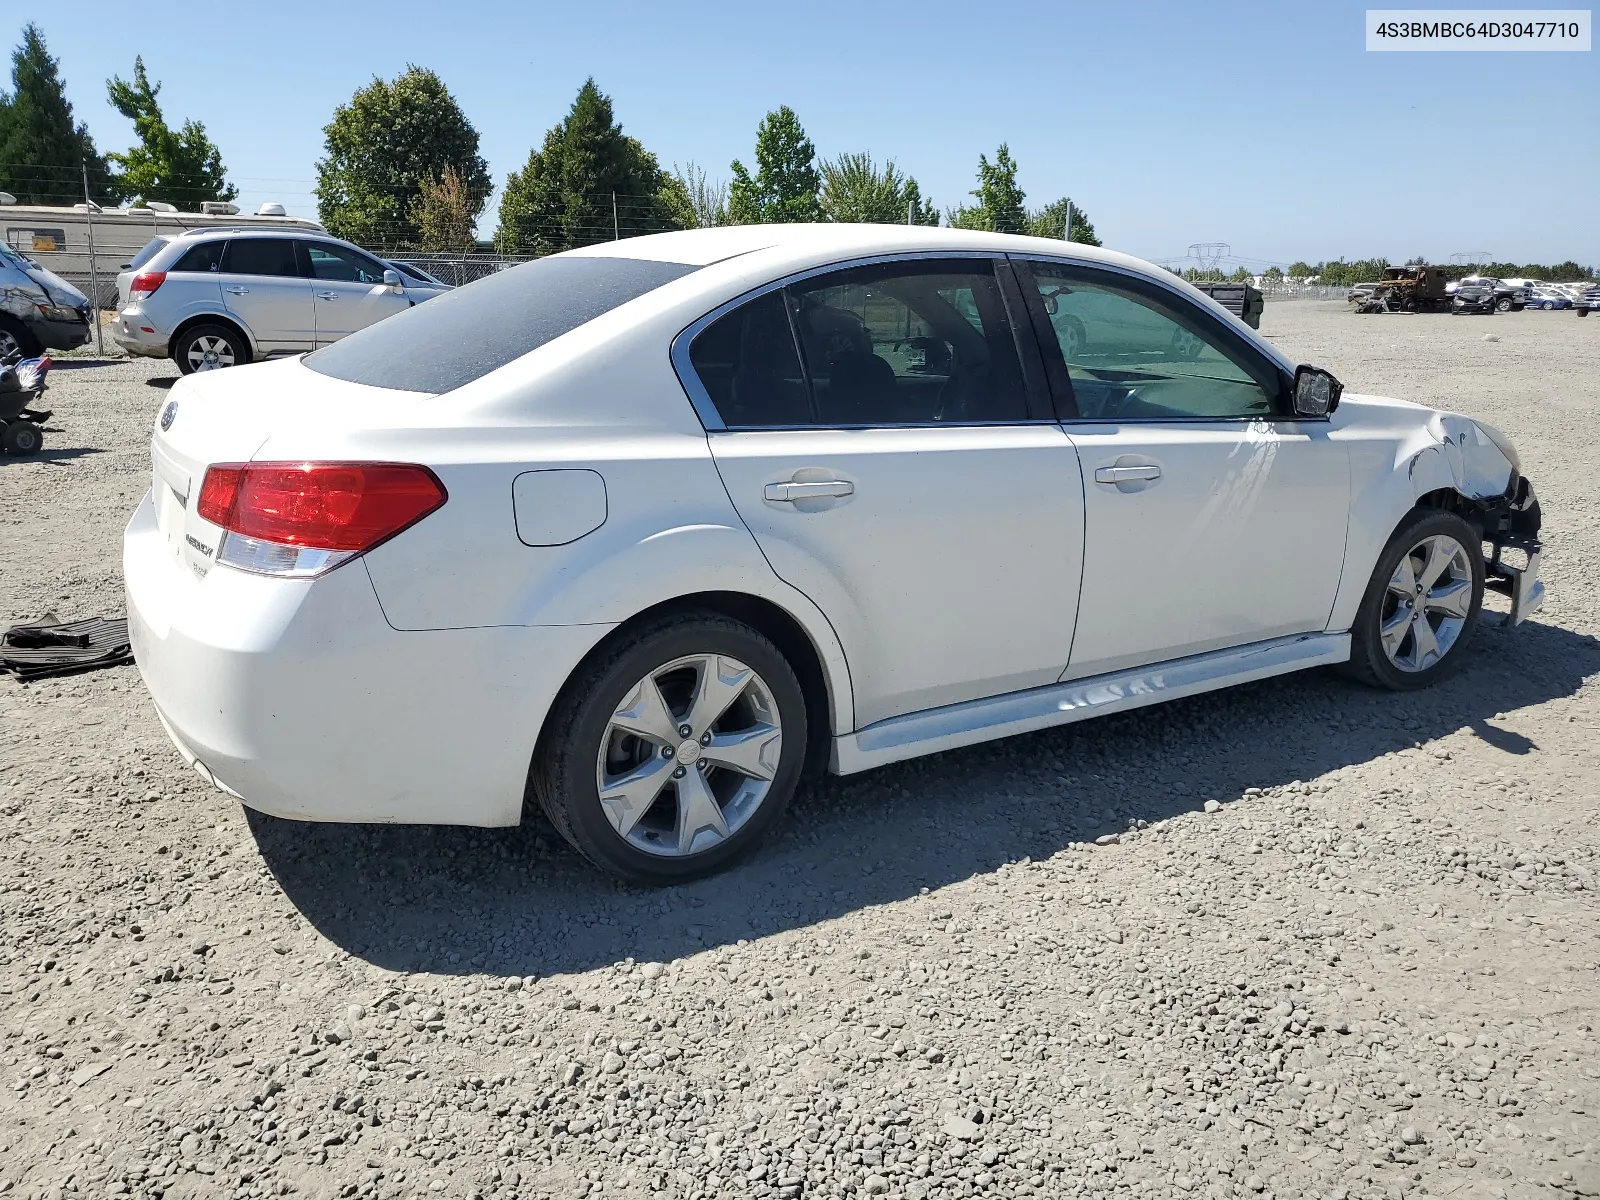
{"x":1369,"y":969}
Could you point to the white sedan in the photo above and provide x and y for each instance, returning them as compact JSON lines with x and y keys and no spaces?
{"x":644,"y":532}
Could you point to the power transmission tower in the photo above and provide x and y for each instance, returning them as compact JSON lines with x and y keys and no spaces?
{"x":1210,"y":254}
{"x":1466,"y":258}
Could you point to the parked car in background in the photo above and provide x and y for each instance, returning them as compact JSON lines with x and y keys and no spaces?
{"x":1588,"y":300}
{"x":1548,"y":298}
{"x":218,"y":298}
{"x":1359,"y":292}
{"x":641,"y":533}
{"x":38,"y":309}
{"x":1508,"y":298}
{"x":1471,"y":298}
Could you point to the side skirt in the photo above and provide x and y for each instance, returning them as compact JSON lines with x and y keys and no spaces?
{"x":975,"y":721}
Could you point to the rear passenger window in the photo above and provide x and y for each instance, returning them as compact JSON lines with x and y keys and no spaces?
{"x":207,"y":256}
{"x":260,"y":256}
{"x":905,"y":343}
{"x":748,"y":364}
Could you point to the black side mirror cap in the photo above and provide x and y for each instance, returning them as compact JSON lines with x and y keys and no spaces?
{"x":1316,"y":392}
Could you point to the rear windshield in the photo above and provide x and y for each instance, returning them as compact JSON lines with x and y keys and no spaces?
{"x":455,"y":338}
{"x":151,"y":248}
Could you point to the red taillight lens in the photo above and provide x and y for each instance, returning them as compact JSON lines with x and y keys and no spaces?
{"x":145,"y":283}
{"x":218,"y":492}
{"x":324,"y":506}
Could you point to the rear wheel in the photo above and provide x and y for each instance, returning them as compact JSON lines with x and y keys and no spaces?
{"x":21,"y":439}
{"x":209,"y":348}
{"x":1548,"y":305}
{"x":1422,"y":605}
{"x":671,"y":756}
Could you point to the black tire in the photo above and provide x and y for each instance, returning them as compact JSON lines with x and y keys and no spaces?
{"x":1583,"y":312}
{"x":21,"y":438}
{"x":1502,"y":305}
{"x":16,"y":337}
{"x":192,"y":348}
{"x":1368,"y":662}
{"x":563,"y":778}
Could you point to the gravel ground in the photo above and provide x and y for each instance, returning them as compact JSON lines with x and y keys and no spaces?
{"x":1295,"y":939}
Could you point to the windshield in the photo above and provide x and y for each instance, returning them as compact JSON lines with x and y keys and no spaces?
{"x":464,"y":334}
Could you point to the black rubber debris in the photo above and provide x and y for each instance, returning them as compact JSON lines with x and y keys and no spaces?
{"x":36,"y":651}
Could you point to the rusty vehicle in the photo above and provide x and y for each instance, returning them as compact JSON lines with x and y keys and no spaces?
{"x":1410,"y":290}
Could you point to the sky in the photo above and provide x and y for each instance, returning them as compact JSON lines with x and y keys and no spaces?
{"x":1265,"y":126}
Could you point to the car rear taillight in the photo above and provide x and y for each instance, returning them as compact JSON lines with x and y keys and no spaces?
{"x":303,"y":518}
{"x":145,"y":284}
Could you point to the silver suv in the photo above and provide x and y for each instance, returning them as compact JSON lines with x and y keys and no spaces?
{"x":221,"y":297}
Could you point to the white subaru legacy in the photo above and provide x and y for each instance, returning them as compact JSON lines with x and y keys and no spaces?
{"x":646,"y":531}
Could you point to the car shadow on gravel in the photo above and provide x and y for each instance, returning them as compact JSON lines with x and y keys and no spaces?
{"x":519,"y":902}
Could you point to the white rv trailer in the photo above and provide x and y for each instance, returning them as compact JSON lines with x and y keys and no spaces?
{"x":58,"y":238}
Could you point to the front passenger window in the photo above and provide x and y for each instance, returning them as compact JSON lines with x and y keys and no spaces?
{"x":1131,"y":357}
{"x":338,"y":265}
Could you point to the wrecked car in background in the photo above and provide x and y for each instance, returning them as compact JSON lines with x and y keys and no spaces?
{"x":38,"y":309}
{"x":1407,"y":289}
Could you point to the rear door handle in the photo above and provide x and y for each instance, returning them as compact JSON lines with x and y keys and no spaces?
{"x":327,"y":295}
{"x":237,"y":291}
{"x":1145,"y":471}
{"x":788,"y":493}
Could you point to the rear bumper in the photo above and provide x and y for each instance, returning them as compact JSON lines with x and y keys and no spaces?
{"x":138,"y":334}
{"x":299,"y":698}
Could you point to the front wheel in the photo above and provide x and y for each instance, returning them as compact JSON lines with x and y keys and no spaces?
{"x":1502,"y":306}
{"x":1422,"y":605}
{"x":1548,"y":305}
{"x":209,"y":348}
{"x":671,"y":756}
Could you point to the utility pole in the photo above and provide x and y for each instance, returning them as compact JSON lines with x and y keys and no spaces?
{"x":616,"y":229}
{"x":911,"y":212}
{"x":94,"y":273}
{"x":1066,"y":234}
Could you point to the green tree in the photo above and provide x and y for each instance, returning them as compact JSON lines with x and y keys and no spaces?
{"x":1301,"y":270}
{"x":785,"y":185}
{"x":1051,"y":222}
{"x":445,"y":213}
{"x":1272,"y":274}
{"x":1241,"y":275}
{"x":182,"y":168}
{"x":694,"y":200}
{"x":854,"y":188}
{"x":382,"y":145}
{"x":589,"y":183}
{"x":999,"y":208}
{"x":42,"y":152}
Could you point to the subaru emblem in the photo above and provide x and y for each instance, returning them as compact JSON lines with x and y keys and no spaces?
{"x":168,"y":415}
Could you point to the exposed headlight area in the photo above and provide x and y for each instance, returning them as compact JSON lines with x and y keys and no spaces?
{"x":303,"y":519}
{"x":61,"y":312}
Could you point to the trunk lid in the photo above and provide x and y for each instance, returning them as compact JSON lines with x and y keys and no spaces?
{"x":226,"y":417}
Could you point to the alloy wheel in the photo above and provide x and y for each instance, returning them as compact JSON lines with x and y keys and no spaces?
{"x":210,"y":353}
{"x":1427,"y":603}
{"x":689,"y":755}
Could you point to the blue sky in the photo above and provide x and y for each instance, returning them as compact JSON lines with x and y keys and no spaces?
{"x":1266,"y":126}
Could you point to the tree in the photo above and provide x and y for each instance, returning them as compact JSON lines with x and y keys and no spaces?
{"x":784,"y":187}
{"x":694,"y":200}
{"x":589,"y":183}
{"x":1300,"y":270}
{"x":856,"y":189}
{"x":445,"y":213}
{"x":1241,"y":275}
{"x":381,"y":147}
{"x":42,"y":152}
{"x":1051,"y":222}
{"x":999,"y":208}
{"x":182,"y":168}
{"x":1272,"y":274}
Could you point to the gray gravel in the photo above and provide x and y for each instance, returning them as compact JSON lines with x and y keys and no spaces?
{"x":1298,"y":939}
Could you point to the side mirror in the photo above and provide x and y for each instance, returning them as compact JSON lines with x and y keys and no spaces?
{"x":1316,"y":392}
{"x":392,"y":280}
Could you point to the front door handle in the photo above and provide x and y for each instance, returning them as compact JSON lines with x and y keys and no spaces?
{"x":788,"y":493}
{"x":237,"y":291}
{"x":1140,"y":473}
{"x":327,"y":295}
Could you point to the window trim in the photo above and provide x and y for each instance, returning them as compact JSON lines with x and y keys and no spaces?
{"x":1266,"y":356}
{"x":1039,"y":408}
